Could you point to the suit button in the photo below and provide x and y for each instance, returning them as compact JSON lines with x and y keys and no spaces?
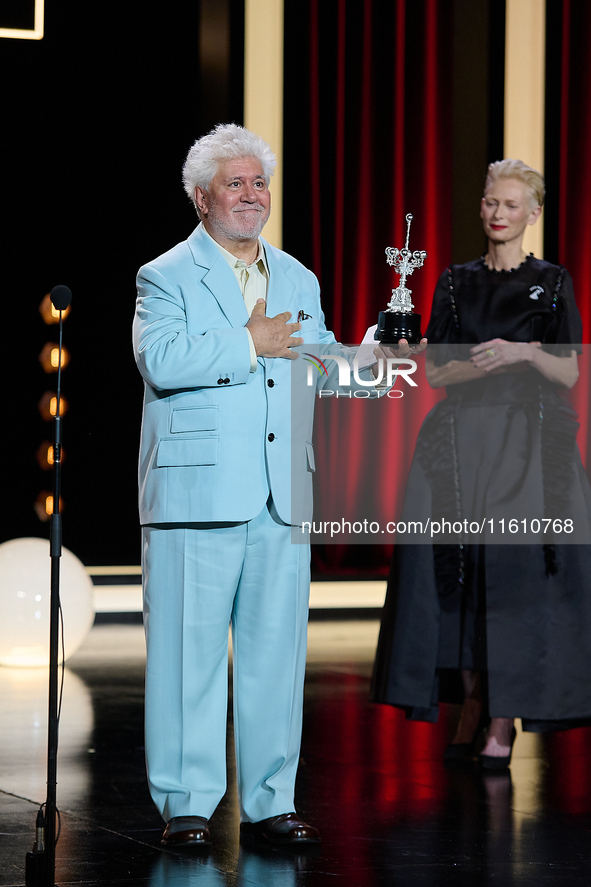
{"x":226,"y":381}
{"x":270,"y":383}
{"x":220,"y":381}
{"x":271,"y":437}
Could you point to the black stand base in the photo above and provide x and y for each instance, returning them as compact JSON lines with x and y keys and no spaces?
{"x":393,"y":326}
{"x":35,"y":870}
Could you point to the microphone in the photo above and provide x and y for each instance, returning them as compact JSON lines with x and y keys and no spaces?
{"x":60,"y":296}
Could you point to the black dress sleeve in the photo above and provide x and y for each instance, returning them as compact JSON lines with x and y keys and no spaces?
{"x":566,"y":327}
{"x":442,"y":328}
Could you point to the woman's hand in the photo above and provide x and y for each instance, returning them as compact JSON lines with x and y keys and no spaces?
{"x":497,"y":356}
{"x":498,"y":353}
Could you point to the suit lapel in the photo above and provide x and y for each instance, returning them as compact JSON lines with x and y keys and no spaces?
{"x":281,"y":291}
{"x":218,"y":277}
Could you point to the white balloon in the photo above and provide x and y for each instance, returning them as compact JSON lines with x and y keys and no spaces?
{"x":25,"y":586}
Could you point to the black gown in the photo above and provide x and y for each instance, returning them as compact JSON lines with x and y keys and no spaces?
{"x":498,"y":448}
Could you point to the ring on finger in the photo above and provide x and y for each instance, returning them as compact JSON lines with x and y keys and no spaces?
{"x":490,"y":352}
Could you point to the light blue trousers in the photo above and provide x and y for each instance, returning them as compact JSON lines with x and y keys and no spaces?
{"x":196,"y":582}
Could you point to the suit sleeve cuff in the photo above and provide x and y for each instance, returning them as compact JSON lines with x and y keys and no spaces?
{"x":253,"y":353}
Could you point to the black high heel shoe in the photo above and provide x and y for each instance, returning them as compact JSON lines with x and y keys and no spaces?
{"x":494,"y":764}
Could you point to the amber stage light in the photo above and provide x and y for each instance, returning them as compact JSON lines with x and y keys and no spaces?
{"x":45,"y":455}
{"x":50,"y":314}
{"x":43,"y":505}
{"x":47,"y":406}
{"x":50,"y":356}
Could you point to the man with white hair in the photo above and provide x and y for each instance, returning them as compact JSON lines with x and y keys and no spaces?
{"x":217,"y":318}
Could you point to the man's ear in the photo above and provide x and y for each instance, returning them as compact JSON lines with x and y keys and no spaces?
{"x":201,"y":200}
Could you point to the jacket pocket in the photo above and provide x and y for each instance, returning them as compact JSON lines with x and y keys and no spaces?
{"x":187,"y":451}
{"x":194,"y":419}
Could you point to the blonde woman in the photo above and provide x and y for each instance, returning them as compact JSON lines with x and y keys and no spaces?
{"x":504,"y":628}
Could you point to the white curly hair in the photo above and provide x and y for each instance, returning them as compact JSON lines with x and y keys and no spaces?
{"x":224,"y":142}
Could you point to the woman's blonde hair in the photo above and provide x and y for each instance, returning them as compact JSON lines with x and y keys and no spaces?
{"x":521,"y":172}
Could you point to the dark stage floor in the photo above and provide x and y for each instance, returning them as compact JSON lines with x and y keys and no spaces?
{"x":389,"y":812}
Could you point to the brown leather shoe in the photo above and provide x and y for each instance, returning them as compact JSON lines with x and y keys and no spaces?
{"x":186,"y":831}
{"x":287,"y":829}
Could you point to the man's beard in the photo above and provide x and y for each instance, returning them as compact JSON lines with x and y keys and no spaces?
{"x":248,"y":224}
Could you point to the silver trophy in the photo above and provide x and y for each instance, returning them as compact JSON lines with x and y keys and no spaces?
{"x":398,"y":321}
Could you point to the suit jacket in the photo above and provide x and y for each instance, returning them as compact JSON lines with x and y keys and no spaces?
{"x":216,"y":438}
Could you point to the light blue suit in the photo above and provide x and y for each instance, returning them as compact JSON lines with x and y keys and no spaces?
{"x":217,"y":448}
{"x":199,"y":431}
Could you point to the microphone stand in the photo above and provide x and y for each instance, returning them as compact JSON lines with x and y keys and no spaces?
{"x":55,"y":552}
{"x":40,"y":863}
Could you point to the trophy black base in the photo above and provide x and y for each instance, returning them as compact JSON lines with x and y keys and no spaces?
{"x":393,"y":326}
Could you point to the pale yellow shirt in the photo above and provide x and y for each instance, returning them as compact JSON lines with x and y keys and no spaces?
{"x":253,"y":281}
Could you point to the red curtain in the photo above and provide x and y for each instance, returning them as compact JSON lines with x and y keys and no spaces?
{"x":379,"y":144}
{"x":574,"y":209}
{"x":375,"y":100}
